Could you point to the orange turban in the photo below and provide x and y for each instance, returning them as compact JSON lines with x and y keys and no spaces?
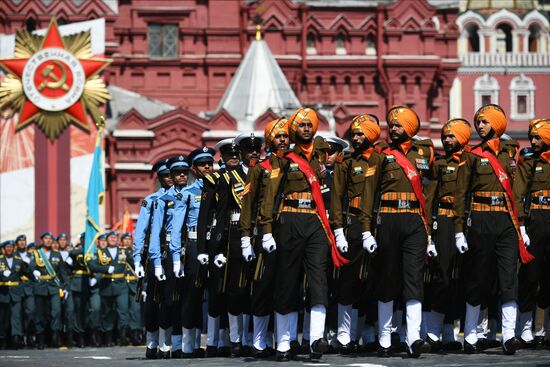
{"x":460,"y":128}
{"x":495,"y":116}
{"x":368,"y":125}
{"x":406,"y":118}
{"x":543,"y":130}
{"x":533,"y":124}
{"x":275,"y":127}
{"x":301,"y":114}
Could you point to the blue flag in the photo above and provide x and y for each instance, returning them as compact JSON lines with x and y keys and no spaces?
{"x":94,"y":199}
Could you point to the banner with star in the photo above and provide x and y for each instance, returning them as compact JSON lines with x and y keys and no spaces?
{"x":53,"y":81}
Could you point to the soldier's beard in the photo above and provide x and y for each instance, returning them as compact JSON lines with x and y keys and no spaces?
{"x":361,"y":146}
{"x":451,"y":148}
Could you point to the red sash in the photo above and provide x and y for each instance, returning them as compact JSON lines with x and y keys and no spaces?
{"x":304,"y":166}
{"x":266,"y":164}
{"x":510,"y":203}
{"x":414,"y":179}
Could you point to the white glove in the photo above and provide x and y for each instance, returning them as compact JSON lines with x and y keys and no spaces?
{"x":203,"y":259}
{"x":6,"y":273}
{"x":143,"y":296}
{"x":92,"y":282}
{"x":177,"y":269}
{"x":65,"y":295}
{"x":69,"y":261}
{"x":525,"y":237}
{"x":341,"y":241}
{"x":268,"y":243}
{"x":111,"y":269}
{"x":219,"y":260}
{"x":432,"y":251}
{"x":246,"y":249}
{"x":138,"y":269}
{"x":159,"y":273}
{"x":461,"y":243}
{"x":369,"y":243}
{"x":36,"y":274}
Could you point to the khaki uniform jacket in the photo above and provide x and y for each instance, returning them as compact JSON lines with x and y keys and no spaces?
{"x":532,"y":175}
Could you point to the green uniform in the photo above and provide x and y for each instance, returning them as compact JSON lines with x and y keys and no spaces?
{"x":47,"y":291}
{"x":67,"y":304}
{"x":113,"y":287}
{"x":11,"y":295}
{"x":79,"y":287}
{"x":29,"y":306}
{"x":134,"y":308}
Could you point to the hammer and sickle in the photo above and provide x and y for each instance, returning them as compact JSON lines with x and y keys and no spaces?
{"x":51,"y":80}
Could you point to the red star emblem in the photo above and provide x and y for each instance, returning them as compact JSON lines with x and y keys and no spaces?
{"x":53,"y":79}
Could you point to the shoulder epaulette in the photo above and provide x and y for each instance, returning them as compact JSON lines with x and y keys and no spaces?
{"x":510,"y":143}
{"x":468,"y":148}
{"x":424,"y":142}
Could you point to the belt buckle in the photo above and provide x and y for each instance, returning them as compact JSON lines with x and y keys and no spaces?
{"x":403,"y":204}
{"x":304,"y":204}
{"x":496,"y":201}
{"x":544,"y":200}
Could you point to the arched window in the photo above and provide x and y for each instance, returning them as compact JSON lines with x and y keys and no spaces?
{"x":503,"y":39}
{"x":473,"y":38}
{"x":341,"y":44}
{"x":522,"y":98}
{"x":311,"y":47}
{"x":534,"y":38}
{"x":486,"y":90}
{"x":371,"y":45}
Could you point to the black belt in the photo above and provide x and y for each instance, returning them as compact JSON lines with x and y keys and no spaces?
{"x":541,"y":200}
{"x":446,"y":205}
{"x":300,"y":203}
{"x":354,"y":210}
{"x":490,"y":200}
{"x":400,"y":204}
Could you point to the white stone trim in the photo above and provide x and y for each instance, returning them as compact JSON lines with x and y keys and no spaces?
{"x":503,"y":15}
{"x":522,"y":86}
{"x":486,"y":85}
{"x":133,"y":166}
{"x":133,"y":133}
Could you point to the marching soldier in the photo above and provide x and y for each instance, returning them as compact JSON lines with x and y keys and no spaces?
{"x":168,"y":270}
{"x":493,"y":229}
{"x":79,"y":286}
{"x":49,"y":272}
{"x":134,"y":309}
{"x":183,"y":244}
{"x":111,"y":264}
{"x":217,"y":319}
{"x":143,"y":268}
{"x":94,"y":321}
{"x":67,"y":305}
{"x":532,"y":194}
{"x":23,"y":250}
{"x":276,"y":137}
{"x":442,"y":291}
{"x":348,"y":210}
{"x":300,"y":234}
{"x":226,"y":245}
{"x":402,"y":230}
{"x":12,"y":268}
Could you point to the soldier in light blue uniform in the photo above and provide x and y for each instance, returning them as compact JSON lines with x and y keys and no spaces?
{"x":183,"y":245}
{"x":144,"y":268}
{"x":165,"y":267}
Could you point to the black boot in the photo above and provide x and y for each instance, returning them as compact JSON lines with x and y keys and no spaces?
{"x":69,"y":340}
{"x":29,"y":341}
{"x":236,"y":349}
{"x":3,"y":344}
{"x":511,"y":346}
{"x":416,"y":348}
{"x":135,"y":337}
{"x":318,"y":348}
{"x":17,"y":342}
{"x":151,"y":353}
{"x":122,"y":338}
{"x":108,"y":339}
{"x":56,"y":339}
{"x":94,"y":339}
{"x":40,"y":341}
{"x":81,"y":340}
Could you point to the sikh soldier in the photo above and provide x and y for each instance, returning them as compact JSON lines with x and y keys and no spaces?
{"x":12,"y":268}
{"x":143,"y":268}
{"x":206,"y":222}
{"x":226,"y":245}
{"x":532,"y":194}
{"x":111,"y":263}
{"x":167,"y":269}
{"x":183,"y":244}
{"x":29,"y":309}
{"x":276,"y":137}
{"x":49,"y":272}
{"x":79,"y":286}
{"x":347,"y":211}
{"x":300,"y":234}
{"x":442,"y":292}
{"x":134,"y":309}
{"x":493,"y":229}
{"x":402,"y":231}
